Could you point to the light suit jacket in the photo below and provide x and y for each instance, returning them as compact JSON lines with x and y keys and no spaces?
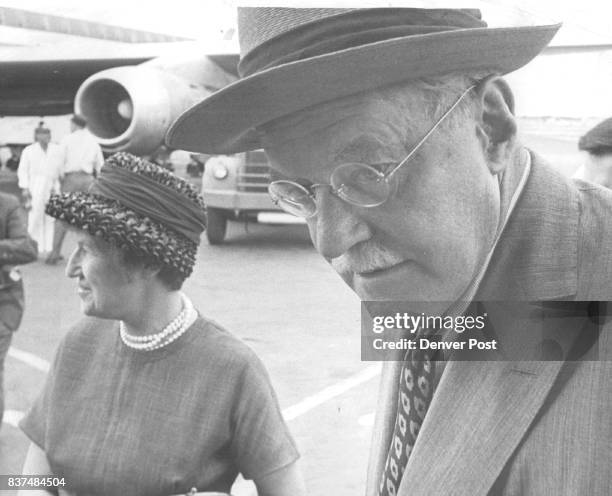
{"x":523,"y":428}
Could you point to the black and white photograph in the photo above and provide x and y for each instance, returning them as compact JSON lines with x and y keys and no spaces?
{"x":305,"y":248}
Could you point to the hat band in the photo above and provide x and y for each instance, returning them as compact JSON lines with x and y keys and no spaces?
{"x":355,"y":28}
{"x":147,"y":197}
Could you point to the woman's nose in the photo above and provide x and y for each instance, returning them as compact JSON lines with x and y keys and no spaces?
{"x":73,"y":267}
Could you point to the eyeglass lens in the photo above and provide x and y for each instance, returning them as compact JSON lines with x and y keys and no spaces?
{"x":293,"y":198}
{"x":360,"y":184}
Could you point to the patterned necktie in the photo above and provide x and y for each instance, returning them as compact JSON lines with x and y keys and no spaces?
{"x":415,"y":393}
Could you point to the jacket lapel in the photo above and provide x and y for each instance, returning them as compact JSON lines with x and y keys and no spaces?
{"x":479,"y":414}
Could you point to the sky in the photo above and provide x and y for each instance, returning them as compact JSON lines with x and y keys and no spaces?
{"x":196,"y":19}
{"x":204,"y":20}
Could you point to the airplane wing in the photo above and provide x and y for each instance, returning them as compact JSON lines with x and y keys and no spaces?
{"x":45,"y":58}
{"x":43,"y":80}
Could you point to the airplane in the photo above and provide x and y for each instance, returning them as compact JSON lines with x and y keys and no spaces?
{"x":129,"y":84}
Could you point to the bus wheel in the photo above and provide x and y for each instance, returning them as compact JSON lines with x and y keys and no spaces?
{"x":216,"y":225}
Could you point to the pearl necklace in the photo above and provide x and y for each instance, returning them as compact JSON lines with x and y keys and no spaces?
{"x":167,"y":335}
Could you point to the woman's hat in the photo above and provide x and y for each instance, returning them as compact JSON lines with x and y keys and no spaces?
{"x":140,"y":207}
{"x":292,"y":59}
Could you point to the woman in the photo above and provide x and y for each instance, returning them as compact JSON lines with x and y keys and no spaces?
{"x":146,"y":397}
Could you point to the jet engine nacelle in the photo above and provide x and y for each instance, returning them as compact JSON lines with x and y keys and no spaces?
{"x":130,"y":108}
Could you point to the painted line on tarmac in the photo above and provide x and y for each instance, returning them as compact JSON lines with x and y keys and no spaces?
{"x":30,"y":359}
{"x":330,"y":392}
{"x":366,"y":420}
{"x":12,"y":417}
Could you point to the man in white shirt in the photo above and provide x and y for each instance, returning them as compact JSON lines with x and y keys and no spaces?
{"x":38,"y":176}
{"x":82,"y":161}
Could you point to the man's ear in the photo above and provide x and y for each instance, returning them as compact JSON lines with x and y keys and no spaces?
{"x":496,"y":122}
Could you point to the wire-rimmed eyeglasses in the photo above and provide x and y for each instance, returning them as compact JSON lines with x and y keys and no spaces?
{"x":356,"y":183}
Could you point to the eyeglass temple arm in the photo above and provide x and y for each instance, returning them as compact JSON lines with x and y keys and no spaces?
{"x":428,"y":134}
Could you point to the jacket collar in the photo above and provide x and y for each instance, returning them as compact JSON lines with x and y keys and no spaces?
{"x":537,"y":255}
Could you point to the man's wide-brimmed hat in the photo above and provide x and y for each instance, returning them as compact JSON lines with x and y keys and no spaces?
{"x":292,"y":59}
{"x":139,"y":207}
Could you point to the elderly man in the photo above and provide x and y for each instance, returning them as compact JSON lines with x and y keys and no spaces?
{"x":394,"y":134}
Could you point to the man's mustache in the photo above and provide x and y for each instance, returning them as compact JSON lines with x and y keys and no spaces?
{"x":367,"y":256}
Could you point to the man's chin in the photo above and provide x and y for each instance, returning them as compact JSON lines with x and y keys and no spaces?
{"x":406,"y":283}
{"x":370,"y":292}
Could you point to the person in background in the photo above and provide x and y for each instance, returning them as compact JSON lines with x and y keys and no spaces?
{"x":16,"y":248}
{"x":5,"y":154}
{"x":597,"y":143}
{"x":81,"y":162}
{"x":12,"y":163}
{"x":195,"y":167}
{"x":147,"y":397}
{"x":38,"y":176}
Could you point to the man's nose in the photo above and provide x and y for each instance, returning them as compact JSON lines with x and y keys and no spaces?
{"x":336,"y":227}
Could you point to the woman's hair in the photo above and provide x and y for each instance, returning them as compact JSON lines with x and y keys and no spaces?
{"x":170,"y":277}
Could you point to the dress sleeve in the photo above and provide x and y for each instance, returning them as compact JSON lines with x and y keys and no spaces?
{"x":261,"y":442}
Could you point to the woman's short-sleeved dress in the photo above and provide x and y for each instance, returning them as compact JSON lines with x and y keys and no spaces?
{"x":117,"y":421}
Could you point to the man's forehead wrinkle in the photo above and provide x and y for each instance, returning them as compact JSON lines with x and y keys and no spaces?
{"x":366,"y":147}
{"x":378,"y":139}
